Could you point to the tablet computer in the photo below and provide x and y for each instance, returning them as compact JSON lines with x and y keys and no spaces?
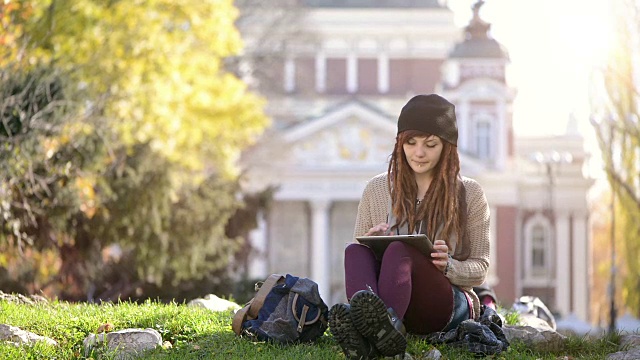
{"x":379,"y":243}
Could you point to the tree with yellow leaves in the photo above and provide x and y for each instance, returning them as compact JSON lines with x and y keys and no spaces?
{"x":616,"y":108}
{"x":149,"y":144}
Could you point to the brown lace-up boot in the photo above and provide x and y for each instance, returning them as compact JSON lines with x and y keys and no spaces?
{"x":353,"y":344}
{"x":379,"y":325}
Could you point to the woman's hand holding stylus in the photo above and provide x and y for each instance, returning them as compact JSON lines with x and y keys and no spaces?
{"x":380,"y":229}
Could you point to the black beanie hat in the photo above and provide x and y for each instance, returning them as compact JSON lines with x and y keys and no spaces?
{"x":432,"y":114}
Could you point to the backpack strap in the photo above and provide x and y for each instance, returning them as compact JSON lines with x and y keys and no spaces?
{"x":265,"y":289}
{"x":239,"y":317}
{"x":250,"y":311}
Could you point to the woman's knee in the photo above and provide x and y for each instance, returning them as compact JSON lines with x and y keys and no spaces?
{"x":398,"y":249}
{"x":357,"y":250}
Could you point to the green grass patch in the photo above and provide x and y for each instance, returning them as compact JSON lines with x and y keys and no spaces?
{"x":197,"y":333}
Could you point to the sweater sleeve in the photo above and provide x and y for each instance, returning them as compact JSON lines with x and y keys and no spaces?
{"x":473,"y":271}
{"x":372,"y":209}
{"x":363,"y":219}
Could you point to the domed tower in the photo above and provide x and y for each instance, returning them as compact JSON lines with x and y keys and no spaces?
{"x":474,"y":78}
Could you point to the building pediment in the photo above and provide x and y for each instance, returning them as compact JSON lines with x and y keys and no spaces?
{"x":353,"y":134}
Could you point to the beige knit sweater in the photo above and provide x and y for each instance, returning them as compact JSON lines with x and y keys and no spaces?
{"x":373,"y":209}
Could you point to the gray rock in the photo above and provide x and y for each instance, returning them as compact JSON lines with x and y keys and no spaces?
{"x":629,"y":348}
{"x":124,"y":344}
{"x":433,"y":354}
{"x":535,"y":322}
{"x":18,"y":336}
{"x":214,"y":303}
{"x":534,"y":338}
{"x":629,"y":341}
{"x":633,"y":354}
{"x":21,"y":299}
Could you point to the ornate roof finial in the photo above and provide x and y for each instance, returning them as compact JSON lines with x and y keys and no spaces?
{"x":477,"y":28}
{"x":477,"y":42}
{"x":476,"y":9}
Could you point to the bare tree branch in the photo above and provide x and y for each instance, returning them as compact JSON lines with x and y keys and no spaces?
{"x":624,"y":184}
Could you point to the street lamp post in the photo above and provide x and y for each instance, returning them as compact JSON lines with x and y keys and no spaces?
{"x":550,"y":161}
{"x":612,"y":283}
{"x":601,"y":124}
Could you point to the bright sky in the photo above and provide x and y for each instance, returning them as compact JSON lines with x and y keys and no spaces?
{"x":552,"y":44}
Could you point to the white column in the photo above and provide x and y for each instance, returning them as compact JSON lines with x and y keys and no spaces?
{"x":502,"y":138}
{"x":320,"y":267}
{"x":321,"y":72}
{"x":383,"y":73}
{"x":563,"y":267}
{"x":580,"y":268}
{"x":259,"y":267}
{"x":289,"y":75}
{"x":352,"y":73}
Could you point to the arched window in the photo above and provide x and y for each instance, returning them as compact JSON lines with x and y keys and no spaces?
{"x":537,"y":252}
{"x":483,"y":139}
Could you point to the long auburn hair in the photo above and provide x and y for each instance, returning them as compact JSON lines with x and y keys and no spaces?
{"x":440,"y":204}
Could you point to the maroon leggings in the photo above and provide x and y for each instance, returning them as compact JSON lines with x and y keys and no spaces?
{"x":406,"y":281}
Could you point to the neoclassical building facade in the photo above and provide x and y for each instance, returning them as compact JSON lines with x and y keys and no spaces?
{"x":334,"y":118}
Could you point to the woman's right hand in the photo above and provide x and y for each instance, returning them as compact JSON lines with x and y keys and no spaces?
{"x":380,"y":229}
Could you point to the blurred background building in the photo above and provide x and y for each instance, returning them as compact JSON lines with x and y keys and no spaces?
{"x":336,"y":74}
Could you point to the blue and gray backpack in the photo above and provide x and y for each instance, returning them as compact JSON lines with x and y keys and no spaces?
{"x":286,"y":309}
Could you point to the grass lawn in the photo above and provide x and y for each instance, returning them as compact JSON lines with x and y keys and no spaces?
{"x":197,"y":333}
